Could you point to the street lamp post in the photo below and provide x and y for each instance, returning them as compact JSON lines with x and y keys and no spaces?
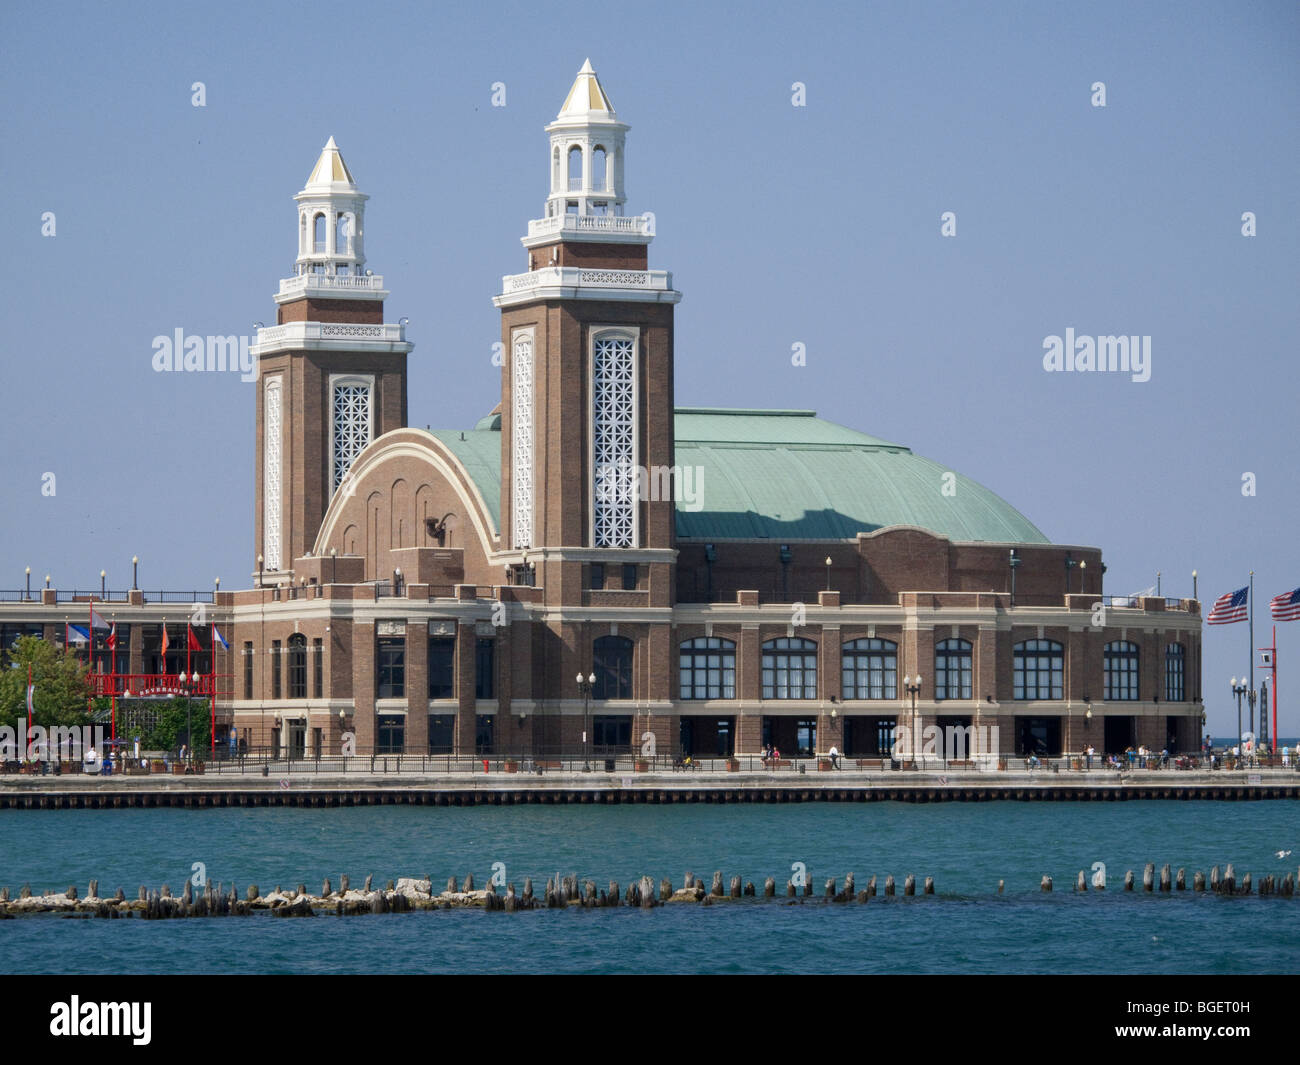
{"x":135,"y":571}
{"x":1014,"y":563}
{"x":29,"y":582}
{"x":828,"y":573}
{"x":1239,"y":689}
{"x":334,"y":564}
{"x":912,"y":685}
{"x":103,"y":578}
{"x":585,"y":685}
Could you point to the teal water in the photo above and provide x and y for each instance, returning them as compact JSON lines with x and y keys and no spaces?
{"x":967,"y":848}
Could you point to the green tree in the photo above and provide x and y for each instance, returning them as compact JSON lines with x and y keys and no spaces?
{"x":168,"y":732}
{"x":62,"y":685}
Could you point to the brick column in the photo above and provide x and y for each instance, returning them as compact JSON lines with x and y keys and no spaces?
{"x":363,"y":686}
{"x":417,"y":687}
{"x":466,"y":724}
{"x":749,"y":687}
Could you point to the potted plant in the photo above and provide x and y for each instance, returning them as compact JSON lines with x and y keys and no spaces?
{"x":512,"y":765}
{"x":823,"y":765}
{"x":641,"y":764}
{"x":157,"y":766}
{"x":733,"y":764}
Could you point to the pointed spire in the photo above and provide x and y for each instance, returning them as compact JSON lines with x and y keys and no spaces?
{"x":587,"y":96}
{"x":330,"y":168}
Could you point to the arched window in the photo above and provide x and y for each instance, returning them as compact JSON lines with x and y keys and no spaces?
{"x":952,"y":669}
{"x":555,"y":170}
{"x":789,"y":669}
{"x":1175,"y":673}
{"x":318,"y":233}
{"x":1038,"y":670}
{"x":1121,"y":662}
{"x":598,"y":168}
{"x":708,"y":668}
{"x":575,"y":168}
{"x":611,"y":661}
{"x":870,"y":669}
{"x":297,"y":666}
{"x":343,"y":235}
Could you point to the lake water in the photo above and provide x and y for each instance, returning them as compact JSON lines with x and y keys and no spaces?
{"x":967,"y":927}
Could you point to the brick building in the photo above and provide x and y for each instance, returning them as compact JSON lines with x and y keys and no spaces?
{"x":591,"y":561}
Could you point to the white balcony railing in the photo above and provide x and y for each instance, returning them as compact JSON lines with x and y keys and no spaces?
{"x":581,"y":277}
{"x":303,"y":283}
{"x":342,"y":332}
{"x":591,"y":223}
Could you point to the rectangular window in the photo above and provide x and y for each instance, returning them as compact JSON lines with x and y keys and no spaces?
{"x":442,"y":667}
{"x":707,"y":668}
{"x":611,"y":730}
{"x":629,"y":577}
{"x":390,"y":737}
{"x":248,"y":670}
{"x":297,"y":667}
{"x":1121,"y":671}
{"x":789,"y":669}
{"x":596,"y":576}
{"x":275,"y":669}
{"x":484,"y":734}
{"x":390,"y":668}
{"x":442,"y":733}
{"x":1175,"y":674}
{"x":318,"y":668}
{"x":485,"y":668}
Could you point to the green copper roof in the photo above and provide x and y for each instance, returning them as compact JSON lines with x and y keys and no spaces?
{"x":479,"y":451}
{"x":789,"y":475}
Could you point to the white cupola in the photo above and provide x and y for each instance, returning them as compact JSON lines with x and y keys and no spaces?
{"x":331,"y":214}
{"x":586,"y":161}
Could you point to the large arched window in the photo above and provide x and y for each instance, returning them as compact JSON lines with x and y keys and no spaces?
{"x":1175,"y":673}
{"x":351,"y":420}
{"x":297,"y":666}
{"x":611,"y":661}
{"x":598,"y":168}
{"x":708,"y":668}
{"x":1038,"y":670}
{"x":952,"y":669}
{"x":343,"y":234}
{"x":318,"y":233}
{"x":789,"y":669}
{"x":614,"y":445}
{"x":870,"y":669}
{"x":1121,"y":661}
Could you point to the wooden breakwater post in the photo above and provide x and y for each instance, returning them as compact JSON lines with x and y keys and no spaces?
{"x":734,"y":891}
{"x":1148,"y":876}
{"x":1215,"y":880}
{"x":1165,"y":880}
{"x":1128,"y":880}
{"x":646,"y":891}
{"x":830,"y":888}
{"x":1198,"y":881}
{"x":849,"y":885}
{"x":1045,"y":884}
{"x":1180,"y":881}
{"x":716,"y":889}
{"x":929,"y":885}
{"x":789,"y":889}
{"x":871,"y":886}
{"x":889,"y":884}
{"x":769,"y":888}
{"x":909,"y":885}
{"x":749,"y":889}
{"x":1001,"y":886}
{"x":1081,"y":883}
{"x":1245,"y":884}
{"x":1228,"y":886}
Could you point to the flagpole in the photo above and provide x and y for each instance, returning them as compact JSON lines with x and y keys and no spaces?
{"x":113,"y":667}
{"x":212,"y":680}
{"x":1250,"y":696}
{"x":1274,"y":685}
{"x":30,"y":698}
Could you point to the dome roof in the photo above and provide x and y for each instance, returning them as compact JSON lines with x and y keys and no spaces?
{"x":789,"y":475}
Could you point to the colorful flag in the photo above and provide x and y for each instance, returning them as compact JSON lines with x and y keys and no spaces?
{"x":165,"y":644}
{"x":1285,"y":607}
{"x":78,"y":634}
{"x":31,"y":700}
{"x":111,"y":642}
{"x":1229,"y":607}
{"x":97,"y":620}
{"x":193,"y":641}
{"x":218,"y":638}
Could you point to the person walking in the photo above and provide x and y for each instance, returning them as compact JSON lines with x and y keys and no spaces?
{"x":835,"y":757}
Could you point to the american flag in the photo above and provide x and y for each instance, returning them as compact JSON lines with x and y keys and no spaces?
{"x":1229,"y":607}
{"x":1285,"y":607}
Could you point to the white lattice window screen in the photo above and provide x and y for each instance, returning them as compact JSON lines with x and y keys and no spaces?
{"x":351,"y":426}
{"x":521,"y":427}
{"x":272,"y":477}
{"x":614,"y":443}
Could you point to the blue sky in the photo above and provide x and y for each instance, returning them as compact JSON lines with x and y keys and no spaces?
{"x":817,"y":225}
